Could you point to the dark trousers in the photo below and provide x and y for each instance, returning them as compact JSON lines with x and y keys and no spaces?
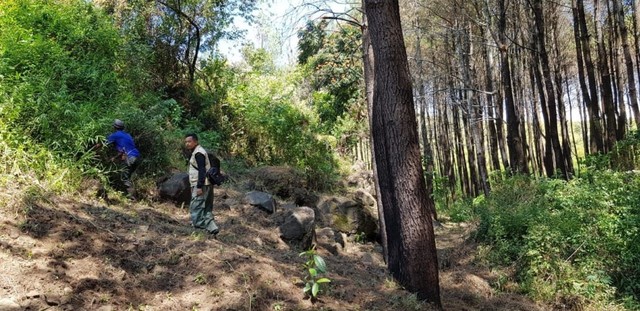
{"x":132,"y":164}
{"x":201,"y":209}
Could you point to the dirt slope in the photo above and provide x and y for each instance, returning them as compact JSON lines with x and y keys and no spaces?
{"x":63,"y":253}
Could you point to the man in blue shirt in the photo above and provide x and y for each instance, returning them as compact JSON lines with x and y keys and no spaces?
{"x":127,"y":152}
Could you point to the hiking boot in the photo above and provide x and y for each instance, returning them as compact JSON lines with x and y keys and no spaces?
{"x":215,"y":233}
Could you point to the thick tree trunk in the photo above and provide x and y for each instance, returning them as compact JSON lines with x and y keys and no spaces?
{"x":369,"y":81}
{"x":556,"y":155}
{"x":517,"y":158}
{"x":409,"y":229}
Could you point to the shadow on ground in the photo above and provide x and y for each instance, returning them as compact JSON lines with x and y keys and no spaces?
{"x":73,"y":254}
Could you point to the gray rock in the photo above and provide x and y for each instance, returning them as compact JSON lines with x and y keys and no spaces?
{"x":175,"y":188}
{"x":330,"y":240}
{"x":365,"y":198}
{"x":349,"y":216}
{"x":262,"y":200}
{"x":298,"y":229}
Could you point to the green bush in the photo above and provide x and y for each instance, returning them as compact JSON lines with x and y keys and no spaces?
{"x":61,"y":86}
{"x":568,"y":239}
{"x":57,"y":70}
{"x":266,"y":127}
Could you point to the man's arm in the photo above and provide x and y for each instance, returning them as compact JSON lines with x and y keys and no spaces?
{"x":202,"y":169}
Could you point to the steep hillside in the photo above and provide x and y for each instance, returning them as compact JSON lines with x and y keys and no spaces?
{"x":82,"y":253}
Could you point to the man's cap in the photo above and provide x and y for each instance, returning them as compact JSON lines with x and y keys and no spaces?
{"x":117,"y":123}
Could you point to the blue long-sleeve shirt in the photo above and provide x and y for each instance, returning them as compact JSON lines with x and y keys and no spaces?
{"x":123,"y":143}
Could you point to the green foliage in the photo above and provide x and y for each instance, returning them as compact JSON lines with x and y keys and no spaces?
{"x":336,"y":72}
{"x":331,"y":58}
{"x":171,"y":33}
{"x":623,"y":157}
{"x":258,"y":59}
{"x":57,"y":70}
{"x":567,"y":239}
{"x":311,"y":40}
{"x":158,"y":147}
{"x":56,"y":75}
{"x":360,"y":238}
{"x":61,"y":86}
{"x":461,"y":210}
{"x":25,"y":163}
{"x":314,"y":268}
{"x":265,"y":125}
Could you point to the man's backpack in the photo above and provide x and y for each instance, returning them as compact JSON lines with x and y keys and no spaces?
{"x":215,"y":176}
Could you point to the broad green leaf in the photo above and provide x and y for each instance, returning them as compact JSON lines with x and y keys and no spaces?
{"x":315,"y":289}
{"x":323,"y":280}
{"x":320,"y":264}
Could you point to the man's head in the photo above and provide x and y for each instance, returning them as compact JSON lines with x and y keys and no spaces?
{"x":191,"y":141}
{"x":118,"y":124}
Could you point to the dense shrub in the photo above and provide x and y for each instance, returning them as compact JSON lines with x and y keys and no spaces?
{"x":61,"y":86}
{"x":57,"y":70}
{"x":267,"y":127}
{"x":570,"y":241}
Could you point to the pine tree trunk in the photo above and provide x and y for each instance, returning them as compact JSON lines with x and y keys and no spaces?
{"x":488,"y":57}
{"x":562,"y":113}
{"x":615,"y":61}
{"x":618,"y":9}
{"x":409,"y":229}
{"x":636,"y":39}
{"x":369,"y":81}
{"x":584,"y":89}
{"x":596,"y":141}
{"x":606,"y":90}
{"x":556,"y":155}
{"x":537,"y":130}
{"x":427,"y":153}
{"x":517,"y":158}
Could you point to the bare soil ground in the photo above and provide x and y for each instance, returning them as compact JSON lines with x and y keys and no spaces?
{"x":79,"y":253}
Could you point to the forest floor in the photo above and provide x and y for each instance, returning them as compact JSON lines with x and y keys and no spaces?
{"x":82,"y":253}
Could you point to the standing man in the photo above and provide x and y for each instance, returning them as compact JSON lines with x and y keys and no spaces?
{"x":127,"y":152}
{"x":201,"y":207}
